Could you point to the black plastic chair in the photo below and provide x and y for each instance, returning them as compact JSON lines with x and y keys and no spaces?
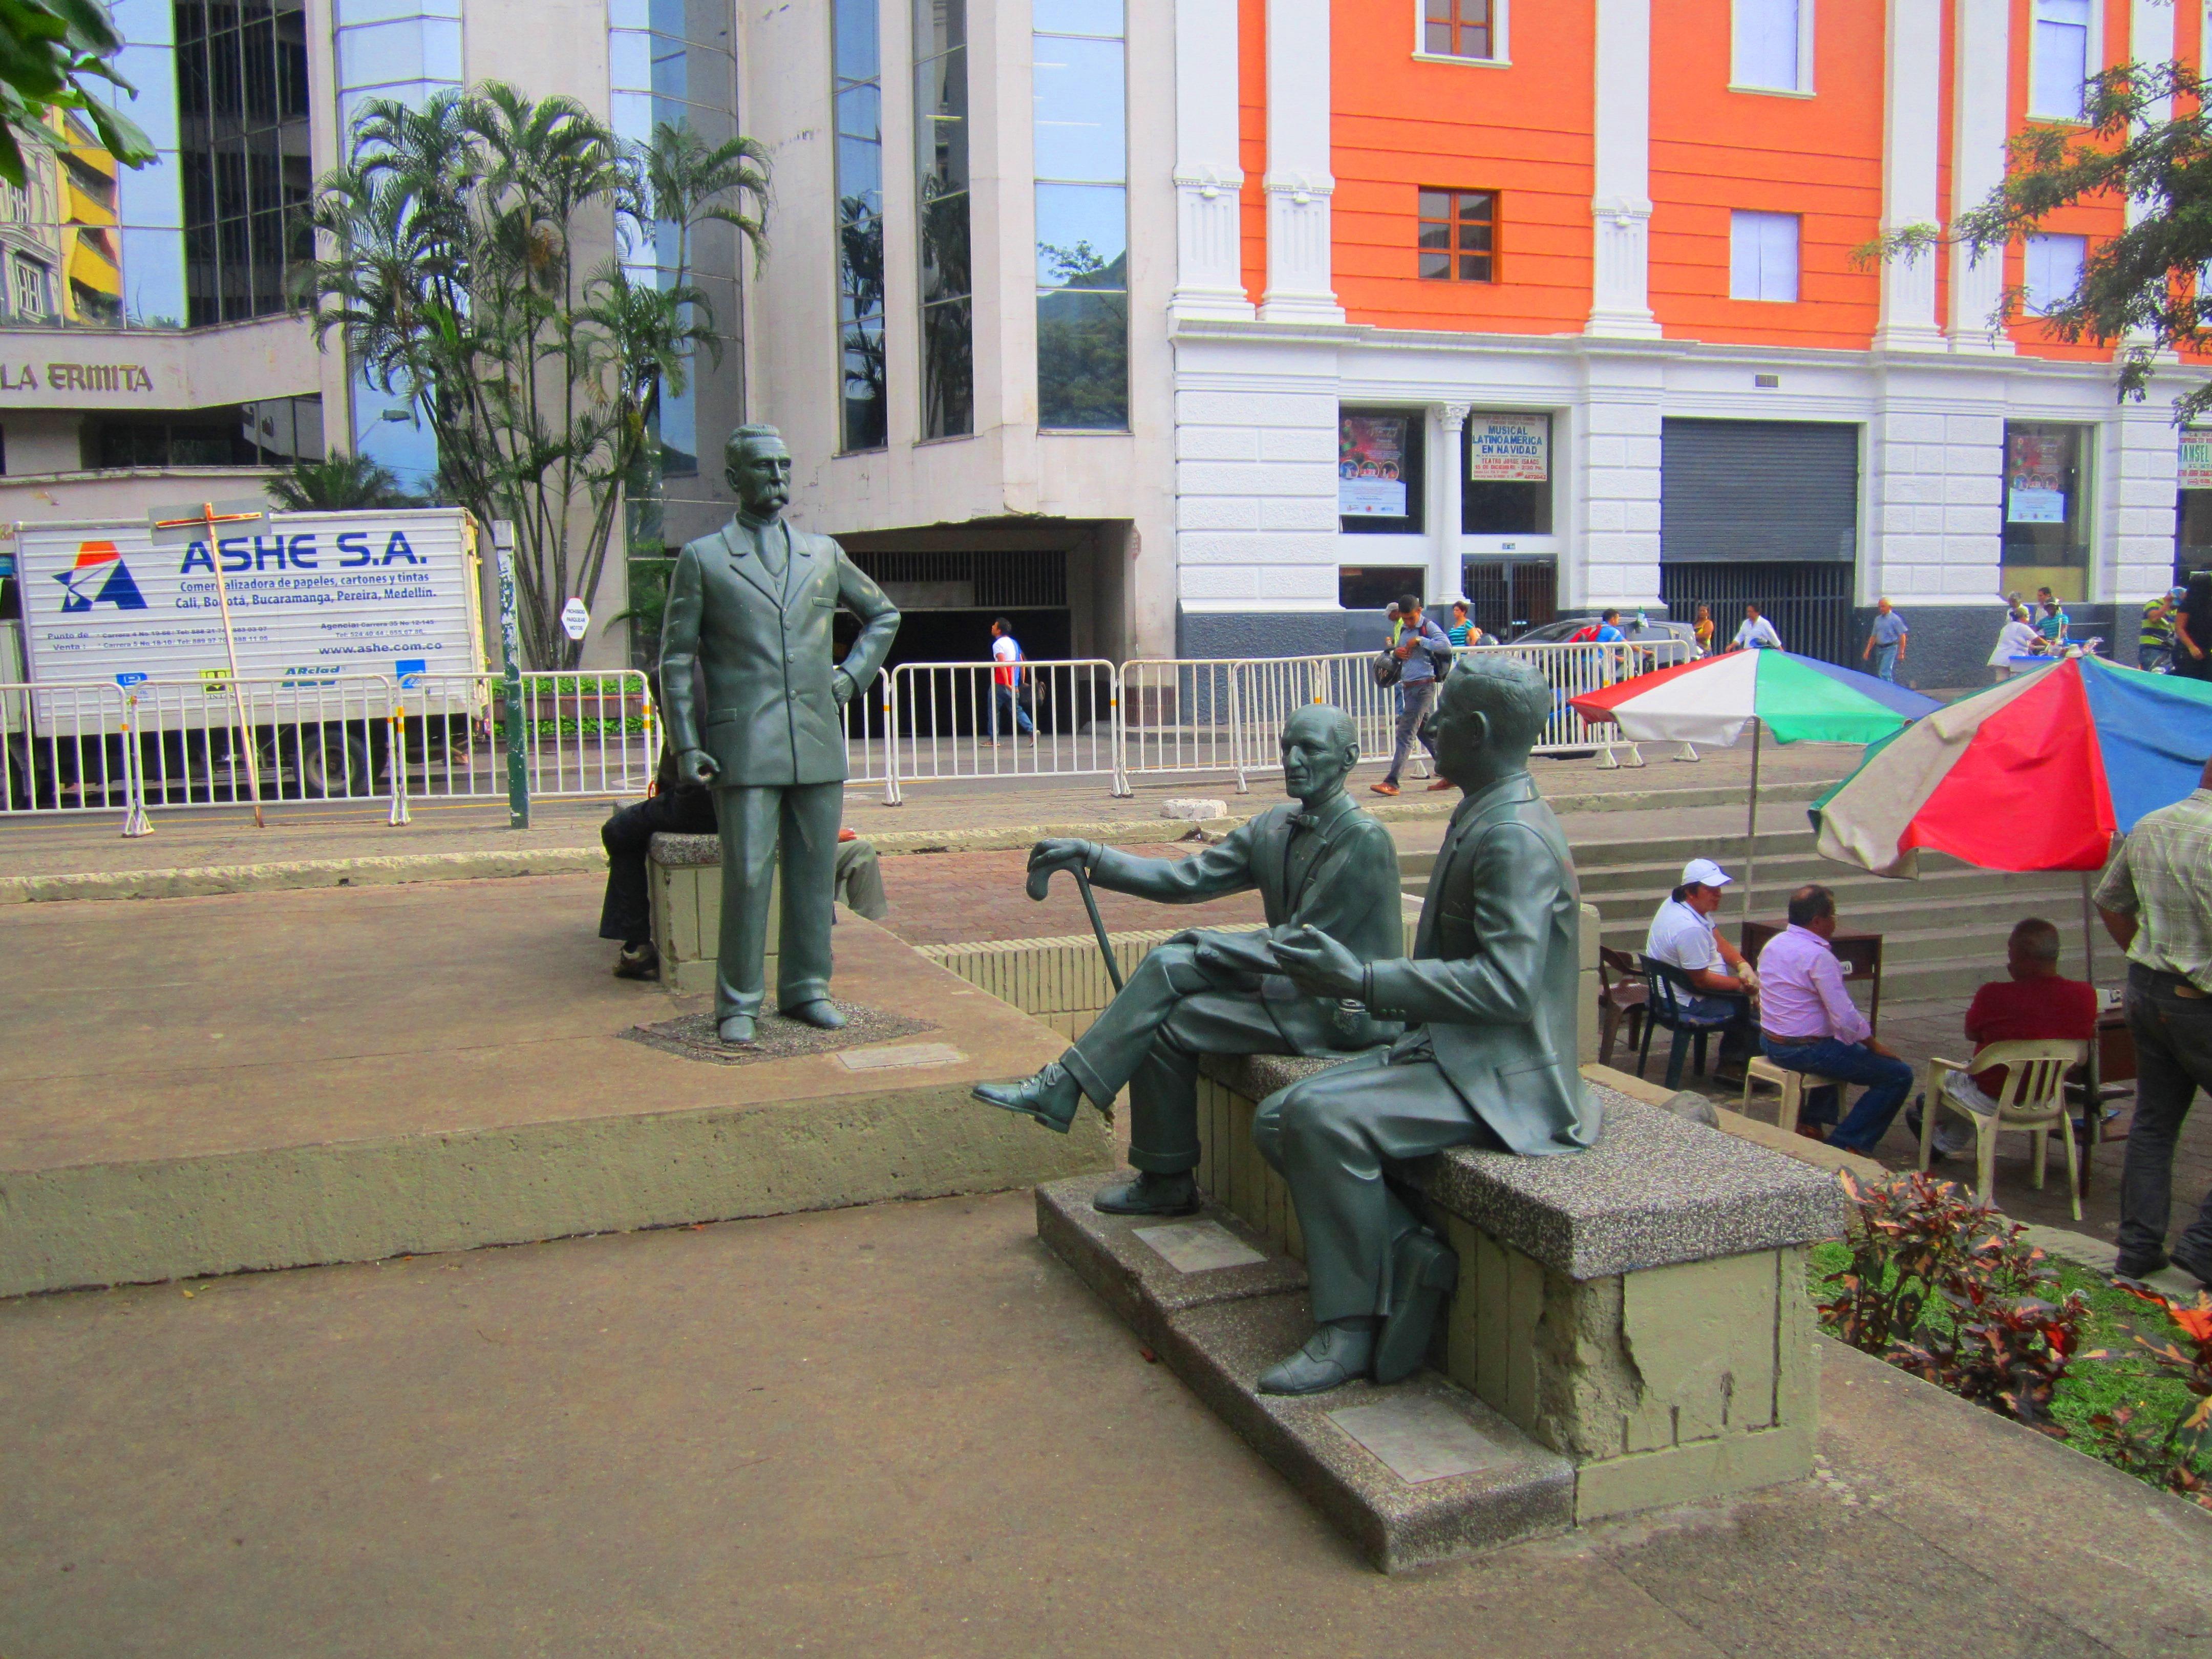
{"x":1671,"y":993}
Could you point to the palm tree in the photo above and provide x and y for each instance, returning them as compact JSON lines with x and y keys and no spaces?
{"x":337,"y":484}
{"x":448,"y":266}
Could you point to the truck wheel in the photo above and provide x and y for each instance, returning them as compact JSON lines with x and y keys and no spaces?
{"x":327,"y":763}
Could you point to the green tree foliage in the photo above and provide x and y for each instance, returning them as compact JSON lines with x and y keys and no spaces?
{"x":2145,"y":138}
{"x":49,"y":50}
{"x":455,"y":262}
{"x":338,"y":484}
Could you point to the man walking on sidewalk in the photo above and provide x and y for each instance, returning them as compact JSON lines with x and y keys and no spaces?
{"x":1886,"y":641}
{"x":2156,"y":899}
{"x":1416,"y":639}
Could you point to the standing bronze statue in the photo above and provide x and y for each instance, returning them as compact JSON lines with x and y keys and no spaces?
{"x":1488,"y":1057}
{"x":751,"y":607}
{"x":1319,"y":862}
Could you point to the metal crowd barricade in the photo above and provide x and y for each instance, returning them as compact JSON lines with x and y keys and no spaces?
{"x":954,"y":719}
{"x":1179,"y":714}
{"x":1573,"y":669}
{"x":588,"y":732}
{"x":867,"y":723}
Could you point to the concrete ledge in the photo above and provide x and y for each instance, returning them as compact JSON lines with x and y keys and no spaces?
{"x":1657,"y":1189}
{"x":378,"y":872}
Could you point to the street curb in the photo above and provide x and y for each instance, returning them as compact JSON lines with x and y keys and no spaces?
{"x":393,"y":869}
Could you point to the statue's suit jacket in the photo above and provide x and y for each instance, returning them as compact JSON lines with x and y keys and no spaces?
{"x":1349,"y":890}
{"x":1495,"y":974}
{"x":771,"y":715}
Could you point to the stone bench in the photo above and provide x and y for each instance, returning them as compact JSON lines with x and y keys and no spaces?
{"x":1640,"y":1307}
{"x":683,"y":876}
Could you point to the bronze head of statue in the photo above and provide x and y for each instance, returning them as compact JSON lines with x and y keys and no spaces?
{"x":758,"y":468}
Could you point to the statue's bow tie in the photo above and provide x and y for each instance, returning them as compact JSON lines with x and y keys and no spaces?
{"x":1305,"y":820}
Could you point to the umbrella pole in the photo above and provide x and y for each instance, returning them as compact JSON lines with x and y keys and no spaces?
{"x":2092,"y":1101}
{"x":1750,"y":839}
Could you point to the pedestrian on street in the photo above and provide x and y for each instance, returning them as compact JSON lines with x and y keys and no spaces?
{"x":1609,"y":630}
{"x":1886,"y":641}
{"x":2156,"y":900}
{"x":1006,"y":709}
{"x":1420,"y":643}
{"x":1462,"y":632}
{"x":2192,"y":630}
{"x":1703,"y":628}
{"x":1809,"y":1023}
{"x":2154,"y":639}
{"x":1757,"y":634}
{"x":2017,"y":638}
{"x":2054,"y":621}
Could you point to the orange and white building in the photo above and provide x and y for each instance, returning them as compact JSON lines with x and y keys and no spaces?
{"x":1554,"y":303}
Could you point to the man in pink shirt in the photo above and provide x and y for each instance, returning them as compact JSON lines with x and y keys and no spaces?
{"x":1808,"y":1023}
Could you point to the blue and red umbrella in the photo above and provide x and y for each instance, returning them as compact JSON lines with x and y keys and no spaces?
{"x":2038,"y":773}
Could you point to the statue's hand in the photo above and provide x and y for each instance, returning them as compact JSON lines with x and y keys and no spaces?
{"x":697,"y":766}
{"x":841,"y":687}
{"x":1318,"y":965}
{"x":1061,"y":855}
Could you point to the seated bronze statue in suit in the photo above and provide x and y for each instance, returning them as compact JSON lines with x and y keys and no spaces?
{"x":1319,"y":862}
{"x":1488,"y":1057}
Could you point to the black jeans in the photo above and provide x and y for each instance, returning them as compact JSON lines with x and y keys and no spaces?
{"x":626,"y":913}
{"x":2173,"y":1060}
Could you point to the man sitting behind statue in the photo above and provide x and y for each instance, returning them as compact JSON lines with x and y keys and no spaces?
{"x":1492,"y":992}
{"x":1319,"y":862}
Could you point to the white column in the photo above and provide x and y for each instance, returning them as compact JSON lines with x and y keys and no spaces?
{"x":1298,"y":182}
{"x":1444,"y":582}
{"x":1911,"y":134}
{"x":1620,"y":195}
{"x":1977,"y":164}
{"x":1209,"y":257}
{"x":2150,"y":41}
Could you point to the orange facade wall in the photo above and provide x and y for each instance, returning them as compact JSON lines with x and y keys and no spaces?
{"x":2099,"y":221}
{"x":1714,"y":150}
{"x":1252,"y":140}
{"x":1524,"y":131}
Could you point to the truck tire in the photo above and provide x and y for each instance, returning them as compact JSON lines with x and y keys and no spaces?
{"x":326,"y":762}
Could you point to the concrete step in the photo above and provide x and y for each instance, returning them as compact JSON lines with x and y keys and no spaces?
{"x":1418,"y":1472}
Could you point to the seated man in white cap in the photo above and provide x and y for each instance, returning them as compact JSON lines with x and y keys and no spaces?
{"x":1683,"y":936}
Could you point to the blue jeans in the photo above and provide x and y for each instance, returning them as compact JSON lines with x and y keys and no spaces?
{"x":1887,"y":1081}
{"x":1008,"y":713}
{"x":1885,"y":663}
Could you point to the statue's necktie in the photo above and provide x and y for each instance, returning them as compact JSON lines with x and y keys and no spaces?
{"x":769,"y":539}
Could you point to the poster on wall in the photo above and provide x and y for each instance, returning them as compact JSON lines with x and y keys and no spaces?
{"x":2035,"y":480}
{"x":1370,"y":462}
{"x":2195,"y":472}
{"x":1509,"y":448}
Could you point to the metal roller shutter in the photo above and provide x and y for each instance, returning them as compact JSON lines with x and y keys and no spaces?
{"x":1767,"y":491}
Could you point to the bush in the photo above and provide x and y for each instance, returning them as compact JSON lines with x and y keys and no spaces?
{"x":2171,"y":1455}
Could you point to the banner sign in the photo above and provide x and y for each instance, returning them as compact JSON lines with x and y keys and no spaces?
{"x":2195,"y":459}
{"x":1512,"y":448}
{"x":1370,"y":459}
{"x":2035,"y":480}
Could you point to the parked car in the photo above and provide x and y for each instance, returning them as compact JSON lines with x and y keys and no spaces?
{"x":1558,"y":633}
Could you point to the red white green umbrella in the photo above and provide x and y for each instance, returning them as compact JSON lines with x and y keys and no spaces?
{"x":1798,"y":699}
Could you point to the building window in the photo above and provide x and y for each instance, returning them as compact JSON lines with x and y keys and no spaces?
{"x":242,"y":106}
{"x":1769,"y":47}
{"x":1459,"y":236}
{"x":1379,"y":586}
{"x":1763,"y":256}
{"x":2046,"y":535}
{"x":27,"y":288}
{"x":2052,"y":267}
{"x":1080,"y":128}
{"x":1506,"y":464}
{"x":940,"y":151}
{"x":858,"y":69}
{"x":2060,"y":59}
{"x":1473,"y":29}
{"x":1380,"y":479}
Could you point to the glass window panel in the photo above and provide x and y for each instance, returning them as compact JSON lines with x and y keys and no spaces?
{"x":631,"y":114}
{"x":1475,"y":206}
{"x":859,"y":113}
{"x":939,"y":26}
{"x":623,"y":14}
{"x":384,"y":52}
{"x":629,"y":60}
{"x":2053,"y":271}
{"x":866,"y":420}
{"x":1083,"y":360}
{"x":671,"y":70}
{"x":1437,"y":11}
{"x":1082,"y":236}
{"x":1105,"y":17}
{"x":1081,"y":117}
{"x":1435,"y":235}
{"x":859,"y":58}
{"x":1434,"y":204}
{"x":1767,"y":44}
{"x":153,"y":277}
{"x":2062,"y":60}
{"x":1475,"y":267}
{"x":860,"y":173}
{"x":945,"y":271}
{"x":948,"y":372}
{"x":1437,"y":37}
{"x":152,"y":194}
{"x":1436,"y":266}
{"x":941,"y":132}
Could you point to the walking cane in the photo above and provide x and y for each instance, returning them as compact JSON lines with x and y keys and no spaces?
{"x":1041,"y":880}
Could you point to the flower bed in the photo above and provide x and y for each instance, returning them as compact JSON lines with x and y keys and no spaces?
{"x":1945,"y":1288}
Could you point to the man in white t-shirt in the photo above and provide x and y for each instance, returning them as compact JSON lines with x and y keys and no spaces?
{"x":1682,"y":935}
{"x":1757,"y":634}
{"x":1006,"y":710}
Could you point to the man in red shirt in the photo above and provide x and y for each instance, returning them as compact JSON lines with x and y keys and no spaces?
{"x":2032,"y":1006}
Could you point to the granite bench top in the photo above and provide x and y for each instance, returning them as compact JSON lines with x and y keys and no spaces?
{"x":679,"y":852}
{"x":1657,"y":1189}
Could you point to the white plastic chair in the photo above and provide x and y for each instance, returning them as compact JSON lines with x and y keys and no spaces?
{"x":2033,"y":1100}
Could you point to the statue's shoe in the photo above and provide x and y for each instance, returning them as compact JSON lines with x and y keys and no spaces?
{"x":1424,"y":1271}
{"x":1150,"y":1195}
{"x":736,"y":1031}
{"x":1331,"y":1357}
{"x":821,"y":1012}
{"x":1052,"y":1096}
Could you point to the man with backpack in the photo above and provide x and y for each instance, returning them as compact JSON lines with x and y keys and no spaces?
{"x":1420,"y":648}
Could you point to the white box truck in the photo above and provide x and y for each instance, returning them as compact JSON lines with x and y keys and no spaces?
{"x":332,"y":614}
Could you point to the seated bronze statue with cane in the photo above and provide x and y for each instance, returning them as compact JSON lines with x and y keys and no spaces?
{"x":1319,"y":861}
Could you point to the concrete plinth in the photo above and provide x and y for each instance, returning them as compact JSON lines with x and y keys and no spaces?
{"x":436,"y":1068}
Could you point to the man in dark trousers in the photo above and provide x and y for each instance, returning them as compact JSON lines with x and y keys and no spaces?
{"x":1319,"y":862}
{"x":674,"y":808}
{"x":749,"y":609}
{"x":1490,"y":995}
